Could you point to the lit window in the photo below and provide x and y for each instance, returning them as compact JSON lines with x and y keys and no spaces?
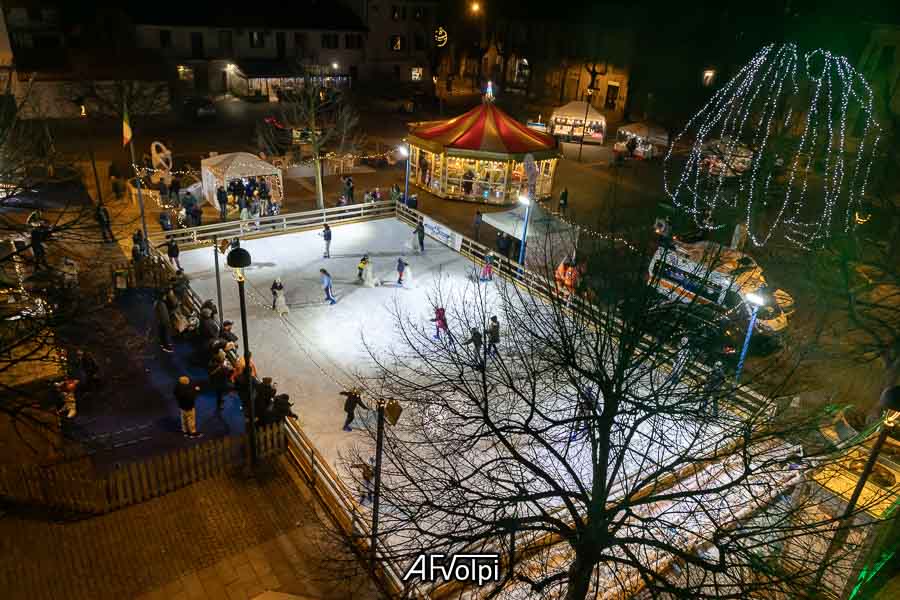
{"x":709,"y":76}
{"x":185,"y":73}
{"x":398,"y":43}
{"x":416,"y":73}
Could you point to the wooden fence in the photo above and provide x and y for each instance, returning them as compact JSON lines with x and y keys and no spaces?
{"x":53,"y":488}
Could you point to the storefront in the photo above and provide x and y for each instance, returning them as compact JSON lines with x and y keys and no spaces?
{"x":480,"y":156}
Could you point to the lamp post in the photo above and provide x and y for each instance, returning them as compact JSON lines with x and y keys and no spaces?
{"x":406,"y":151}
{"x":218,"y":279}
{"x":392,"y":410}
{"x":523,"y":199}
{"x":587,"y":107}
{"x":90,"y":144}
{"x":890,"y":404}
{"x":755,"y":301}
{"x":239,"y":259}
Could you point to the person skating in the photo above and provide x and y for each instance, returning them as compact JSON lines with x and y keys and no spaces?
{"x":401,"y":268}
{"x":186,"y":396}
{"x":163,"y":323}
{"x":277,"y":286}
{"x":476,"y":340}
{"x":281,"y":306}
{"x":326,"y":235}
{"x":493,"y":336}
{"x":219,"y":375}
{"x":353,"y":401}
{"x":476,"y":225}
{"x":420,"y":234}
{"x":105,"y":223}
{"x":487,"y":270}
{"x":361,"y":267}
{"x":172,"y":252}
{"x":440,"y":324}
{"x":326,"y":286}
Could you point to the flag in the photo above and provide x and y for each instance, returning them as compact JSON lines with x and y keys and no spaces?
{"x":126,"y":127}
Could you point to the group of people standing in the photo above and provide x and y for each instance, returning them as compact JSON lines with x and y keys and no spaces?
{"x":250,"y":197}
{"x":476,"y":337}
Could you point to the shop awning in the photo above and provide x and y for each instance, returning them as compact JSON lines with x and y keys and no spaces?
{"x":647,"y":131}
{"x":483,"y":132}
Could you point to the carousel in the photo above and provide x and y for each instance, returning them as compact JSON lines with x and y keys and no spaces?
{"x":483,"y":155}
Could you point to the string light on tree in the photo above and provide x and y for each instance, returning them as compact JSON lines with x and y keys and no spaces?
{"x":775,"y":141}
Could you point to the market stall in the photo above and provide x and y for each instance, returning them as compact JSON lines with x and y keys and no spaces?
{"x":647,"y":140}
{"x":567,"y":122}
{"x":225,"y":168}
{"x":481,"y":156}
{"x":726,"y":157}
{"x":546,"y":234}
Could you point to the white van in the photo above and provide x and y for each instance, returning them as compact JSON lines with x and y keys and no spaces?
{"x":720,"y":277}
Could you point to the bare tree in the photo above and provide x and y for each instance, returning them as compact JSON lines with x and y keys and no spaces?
{"x":592,"y":449}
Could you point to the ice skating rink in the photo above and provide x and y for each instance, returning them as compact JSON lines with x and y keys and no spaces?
{"x":313,"y":353}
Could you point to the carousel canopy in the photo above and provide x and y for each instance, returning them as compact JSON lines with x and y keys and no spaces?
{"x":483,"y":132}
{"x":575,"y":111}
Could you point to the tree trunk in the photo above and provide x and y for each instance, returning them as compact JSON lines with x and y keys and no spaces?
{"x":580,"y":573}
{"x":320,"y":189}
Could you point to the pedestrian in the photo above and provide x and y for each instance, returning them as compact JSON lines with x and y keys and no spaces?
{"x":504,"y":243}
{"x":277,"y":286}
{"x":440,"y":323}
{"x":88,"y":370}
{"x":227,"y":334}
{"x":175,"y":189}
{"x":326,"y":235}
{"x":219,"y":374}
{"x":349,"y":186}
{"x":395,"y":194}
{"x":487,"y":270}
{"x":39,"y":235}
{"x":137,"y":238}
{"x":420,"y":234}
{"x":263,"y":397}
{"x":476,"y":340}
{"x":186,"y":396}
{"x":714,"y":382}
{"x":163,"y":323}
{"x":222,"y":199}
{"x":476,"y":225}
{"x":401,"y":267}
{"x":353,"y":401}
{"x":361,"y":267}
{"x":563,"y":201}
{"x":493,"y":336}
{"x":105,"y":224}
{"x":245,"y":211}
{"x":172,"y":252}
{"x":195,"y":212}
{"x":326,"y":285}
{"x":66,"y":389}
{"x":237,"y":374}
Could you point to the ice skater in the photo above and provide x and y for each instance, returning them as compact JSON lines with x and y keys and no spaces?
{"x":280,"y":301}
{"x":276,"y":287}
{"x":326,"y":235}
{"x":353,"y":400}
{"x":440,"y":324}
{"x":419,"y":231}
{"x":361,"y":267}
{"x":487,"y":271}
{"x":476,"y":340}
{"x":401,"y":269}
{"x":493,"y":336}
{"x":326,"y":285}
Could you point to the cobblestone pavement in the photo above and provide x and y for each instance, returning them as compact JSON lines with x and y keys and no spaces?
{"x":225,"y":537}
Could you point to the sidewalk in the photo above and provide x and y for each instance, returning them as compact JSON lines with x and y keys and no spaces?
{"x":223,"y":538}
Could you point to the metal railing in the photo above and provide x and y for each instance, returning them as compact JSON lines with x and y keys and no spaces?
{"x":191,"y":237}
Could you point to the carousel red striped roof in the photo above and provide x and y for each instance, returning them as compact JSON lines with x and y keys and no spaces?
{"x":486,"y":129}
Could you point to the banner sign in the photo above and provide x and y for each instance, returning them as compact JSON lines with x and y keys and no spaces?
{"x":443,"y":234}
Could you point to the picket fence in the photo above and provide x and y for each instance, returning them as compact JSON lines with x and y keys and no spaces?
{"x":55,"y":488}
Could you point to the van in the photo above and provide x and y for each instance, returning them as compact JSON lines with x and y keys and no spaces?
{"x":721,"y":278}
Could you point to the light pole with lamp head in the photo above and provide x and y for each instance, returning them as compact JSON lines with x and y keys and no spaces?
{"x":890,"y":404}
{"x":406,"y":151}
{"x":239,"y":259}
{"x":523,"y":199}
{"x":587,"y":107}
{"x":82,"y":106}
{"x":756,"y":301}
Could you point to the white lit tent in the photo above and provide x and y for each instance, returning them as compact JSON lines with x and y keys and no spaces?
{"x":219,"y":170}
{"x":653,"y":134}
{"x":567,"y":120}
{"x":544,"y":230}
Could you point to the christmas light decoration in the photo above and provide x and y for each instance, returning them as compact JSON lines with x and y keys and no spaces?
{"x":775,"y":139}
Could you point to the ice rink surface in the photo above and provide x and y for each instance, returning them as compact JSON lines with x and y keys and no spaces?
{"x":313,"y":353}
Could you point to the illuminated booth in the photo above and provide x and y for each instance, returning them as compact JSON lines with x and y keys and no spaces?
{"x":479,"y":156}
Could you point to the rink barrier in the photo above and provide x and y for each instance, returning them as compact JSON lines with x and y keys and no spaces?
{"x":194,"y":237}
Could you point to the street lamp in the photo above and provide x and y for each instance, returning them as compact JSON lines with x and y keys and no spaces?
{"x":755,"y":301}
{"x":587,"y":107}
{"x":90,"y":144}
{"x":239,"y":259}
{"x":523,"y":199}
{"x":890,"y":404}
{"x":393,"y":410}
{"x":406,"y":151}
{"x":475,"y":8}
{"x":335,"y":66}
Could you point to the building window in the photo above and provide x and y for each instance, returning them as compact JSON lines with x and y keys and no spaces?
{"x":353,"y":41}
{"x":397,"y":43}
{"x":398,"y":13}
{"x":226,"y":42}
{"x":330,"y":41}
{"x":185,"y":73}
{"x":612,"y":95}
{"x":165,"y":38}
{"x":419,"y":13}
{"x":257,"y":39}
{"x":419,"y":41}
{"x":709,"y":77}
{"x":416,"y":73}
